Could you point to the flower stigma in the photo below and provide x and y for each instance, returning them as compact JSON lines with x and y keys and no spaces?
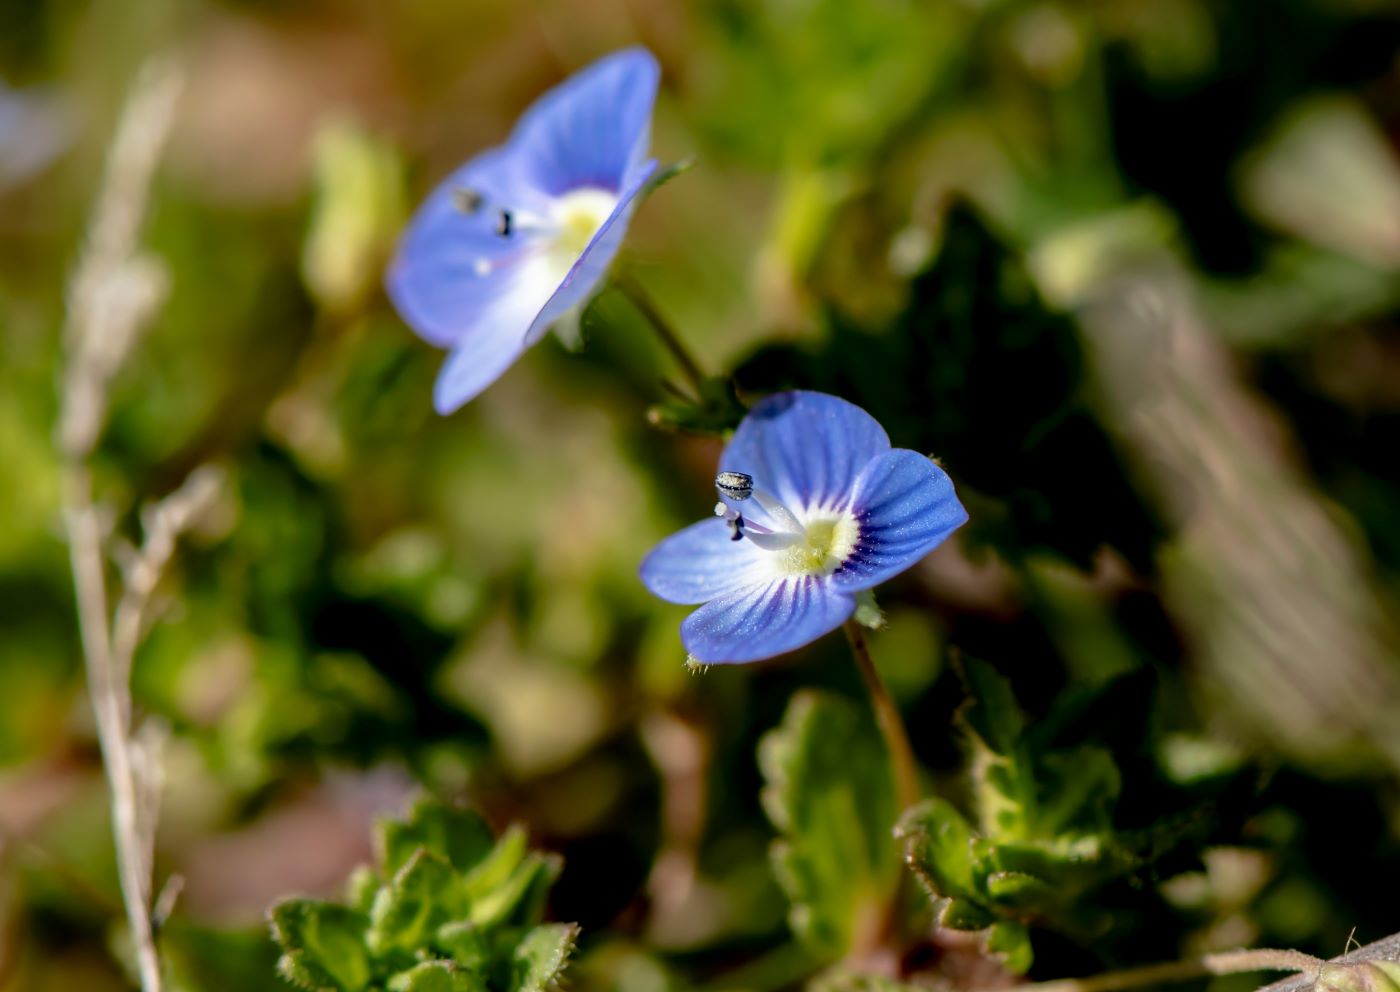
{"x":816,"y":545}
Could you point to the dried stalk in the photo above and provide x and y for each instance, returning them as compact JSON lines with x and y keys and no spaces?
{"x":112,"y":294}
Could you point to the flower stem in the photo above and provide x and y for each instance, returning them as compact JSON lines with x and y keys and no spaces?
{"x":1224,"y":963}
{"x":643,"y":303}
{"x":906,"y":778}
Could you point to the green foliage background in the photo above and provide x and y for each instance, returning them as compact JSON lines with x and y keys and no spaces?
{"x":1129,"y":268}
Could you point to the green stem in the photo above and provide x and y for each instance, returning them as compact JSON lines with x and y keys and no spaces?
{"x":642,"y":301}
{"x":906,"y":777}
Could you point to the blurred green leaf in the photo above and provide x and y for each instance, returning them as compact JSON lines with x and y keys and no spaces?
{"x":467,"y":943}
{"x":1012,"y":943}
{"x":408,"y":911}
{"x":358,"y":210}
{"x":939,"y":848}
{"x":437,"y":976}
{"x":457,"y":835}
{"x":520,"y":896}
{"x":541,"y":956}
{"x":323,"y":945}
{"x":464,"y":925}
{"x":828,"y":792}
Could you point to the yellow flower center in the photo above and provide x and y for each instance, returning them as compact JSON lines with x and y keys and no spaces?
{"x":826,"y":542}
{"x":578,"y":215}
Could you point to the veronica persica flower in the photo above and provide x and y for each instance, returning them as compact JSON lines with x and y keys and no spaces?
{"x":815,"y":508}
{"x":522,"y":235}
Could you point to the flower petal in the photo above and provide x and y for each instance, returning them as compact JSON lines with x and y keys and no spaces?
{"x":702,"y":563}
{"x":451,"y":266}
{"x":583,"y":279}
{"x":496,"y":339}
{"x":906,"y":507}
{"x":764,"y":620}
{"x":805,"y":448}
{"x":594,"y":128}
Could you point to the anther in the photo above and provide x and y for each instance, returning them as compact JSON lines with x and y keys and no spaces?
{"x":736,"y":527}
{"x":504,"y":224}
{"x":735,"y":485}
{"x":468,"y":201}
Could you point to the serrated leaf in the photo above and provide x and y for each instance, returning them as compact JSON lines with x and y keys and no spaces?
{"x":409,"y":909}
{"x":437,"y":976}
{"x":939,"y":848}
{"x":541,"y":956}
{"x":828,"y":792}
{"x":1012,"y":943}
{"x":323,"y":945}
{"x":459,"y":836}
{"x":1003,"y":776}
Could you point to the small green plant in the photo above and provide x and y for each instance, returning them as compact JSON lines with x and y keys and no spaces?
{"x":450,"y":908}
{"x":1043,"y":840}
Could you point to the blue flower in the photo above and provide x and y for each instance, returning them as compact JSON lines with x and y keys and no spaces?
{"x":815,"y":507}
{"x":34,"y":130}
{"x":522,"y":235}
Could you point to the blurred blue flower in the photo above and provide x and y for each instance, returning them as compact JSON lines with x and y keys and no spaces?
{"x":34,"y":130}
{"x":815,"y":507}
{"x":522,"y":235}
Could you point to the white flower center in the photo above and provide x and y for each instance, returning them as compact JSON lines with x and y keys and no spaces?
{"x":799,"y":544}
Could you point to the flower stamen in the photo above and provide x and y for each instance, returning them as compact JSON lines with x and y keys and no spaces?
{"x":810,"y":547}
{"x":467,"y":201}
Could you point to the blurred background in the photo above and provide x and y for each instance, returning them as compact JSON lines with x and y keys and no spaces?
{"x":1129,"y":268}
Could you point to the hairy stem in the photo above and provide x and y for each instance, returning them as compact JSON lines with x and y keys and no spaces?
{"x":642,"y":301}
{"x":1225,"y":963}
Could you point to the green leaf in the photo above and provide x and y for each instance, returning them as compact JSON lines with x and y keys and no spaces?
{"x":1003,"y":775}
{"x":437,"y":976}
{"x":361,"y":887}
{"x":828,"y":792}
{"x":664,"y":175}
{"x":1078,"y":791}
{"x":1012,"y":943}
{"x":938,"y":848}
{"x":358,"y":210}
{"x":541,"y":956}
{"x":520,"y":897}
{"x":1020,"y":892}
{"x":459,"y":836}
{"x":466,"y":942}
{"x":991,"y":711}
{"x":323,"y":945}
{"x":715,"y":414}
{"x":496,"y":868}
{"x":964,"y":914}
{"x":411,"y":907}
